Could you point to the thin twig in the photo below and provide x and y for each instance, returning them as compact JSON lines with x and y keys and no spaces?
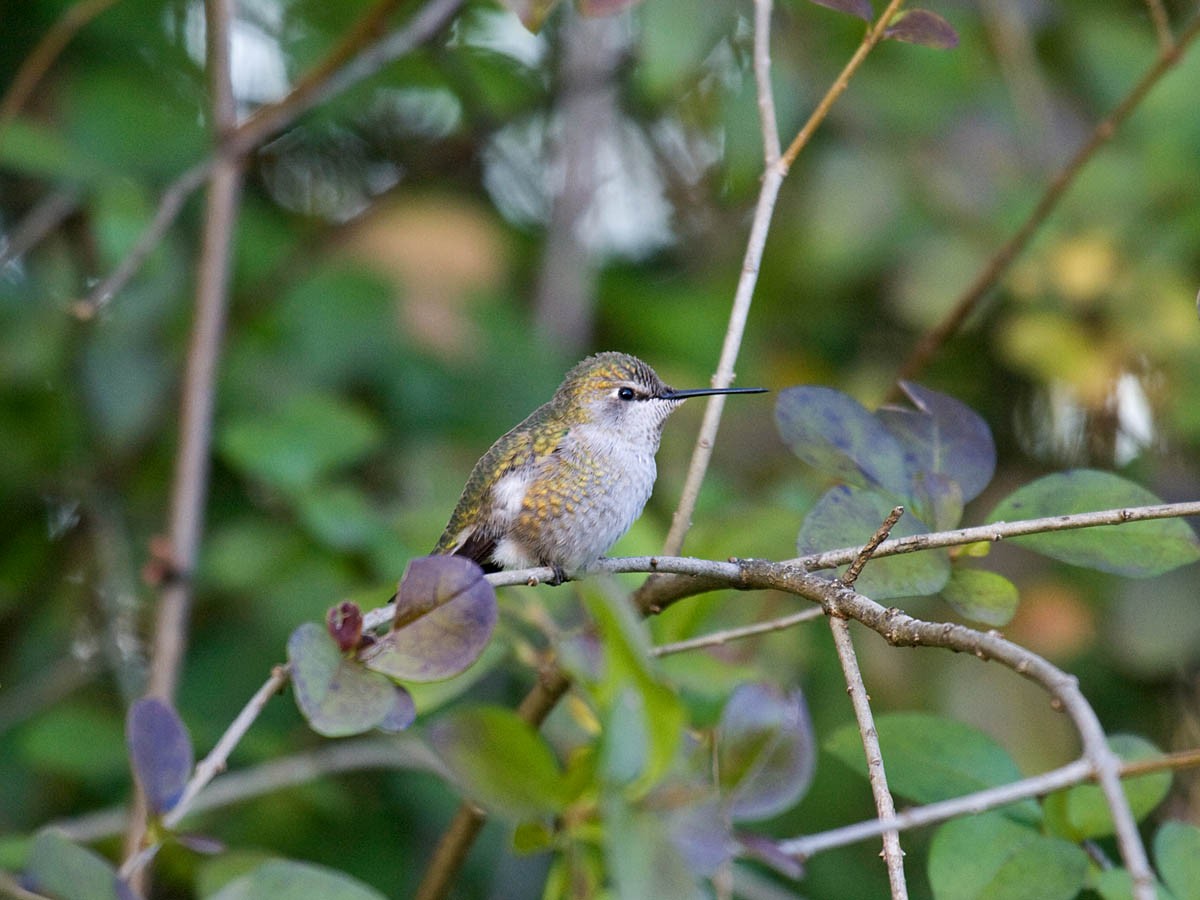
{"x":873,"y":36}
{"x":885,"y":806}
{"x":35,"y":66}
{"x":46,"y":215}
{"x":728,"y":635}
{"x":764,"y":209}
{"x":190,"y":484}
{"x":868,"y":551}
{"x":991,"y":273}
{"x":326,"y":81}
{"x":218,"y":758}
{"x":1162,"y":25}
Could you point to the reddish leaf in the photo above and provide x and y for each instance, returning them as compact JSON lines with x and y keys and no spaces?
{"x":603,"y":7}
{"x":445,"y":614}
{"x":345,"y":624}
{"x":860,"y":9}
{"x":532,"y":13}
{"x":920,"y":26}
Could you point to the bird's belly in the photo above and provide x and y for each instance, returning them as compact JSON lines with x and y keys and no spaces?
{"x":573,"y":518}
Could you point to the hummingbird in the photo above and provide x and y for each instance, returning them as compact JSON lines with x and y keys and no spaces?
{"x":560,"y":488}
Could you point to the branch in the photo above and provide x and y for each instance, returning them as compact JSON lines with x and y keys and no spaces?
{"x":885,"y":806}
{"x":764,"y":209}
{"x":1169,"y":55}
{"x":341,"y":70}
{"x":190,"y":484}
{"x":34,"y":67}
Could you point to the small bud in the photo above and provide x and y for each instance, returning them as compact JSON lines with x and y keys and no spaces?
{"x":345,"y":624}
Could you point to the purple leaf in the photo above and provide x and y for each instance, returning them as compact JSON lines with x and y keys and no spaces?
{"x":766,"y":751}
{"x":943,"y":435}
{"x":160,"y":750}
{"x":338,"y":696}
{"x":920,"y":26}
{"x":445,"y":615}
{"x":860,"y":9}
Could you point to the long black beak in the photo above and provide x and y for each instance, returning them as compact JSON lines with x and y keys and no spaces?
{"x":672,"y":394}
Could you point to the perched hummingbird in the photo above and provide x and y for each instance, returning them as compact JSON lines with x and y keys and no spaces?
{"x":560,"y":488}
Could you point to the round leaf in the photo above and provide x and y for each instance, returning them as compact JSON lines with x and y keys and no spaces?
{"x":1082,"y":812}
{"x":848,"y":516}
{"x":991,"y":856}
{"x":445,"y":615}
{"x":944,"y":436}
{"x":1137,"y":549}
{"x":920,"y":26}
{"x":336,"y":695}
{"x":765,"y":751}
{"x":834,"y":434}
{"x":1177,"y":852}
{"x":283,"y":879}
{"x":60,"y":868}
{"x":499,"y":761}
{"x":930,"y":758}
{"x":982,"y":596}
{"x":160,"y":750}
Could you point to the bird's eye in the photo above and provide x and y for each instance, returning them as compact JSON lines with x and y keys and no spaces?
{"x":626,"y":393}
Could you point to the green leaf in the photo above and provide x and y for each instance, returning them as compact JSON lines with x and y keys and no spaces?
{"x":991,"y":856}
{"x":338,"y":696}
{"x":1177,"y":852}
{"x":646,"y":713}
{"x":282,"y":879}
{"x":1115,"y":884}
{"x":499,"y":762}
{"x":67,"y":871}
{"x":766,"y":751}
{"x":847,"y":517}
{"x":1081,"y":812}
{"x":1136,"y":549}
{"x":445,"y":615}
{"x":30,"y":148}
{"x":834,"y":434}
{"x":294,"y":445}
{"x":930,"y":758}
{"x":982,"y":595}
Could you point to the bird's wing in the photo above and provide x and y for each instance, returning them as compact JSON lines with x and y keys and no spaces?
{"x":471,"y":534}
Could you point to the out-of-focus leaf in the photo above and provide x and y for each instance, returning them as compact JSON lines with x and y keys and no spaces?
{"x":290,"y":447}
{"x":991,"y":856}
{"x":339,"y":516}
{"x":631,"y":694}
{"x":766,"y":751}
{"x":848,"y":516}
{"x":1115,"y":884}
{"x":834,"y":434}
{"x":1177,"y":852}
{"x":30,"y":148}
{"x":499,"y":761}
{"x":58,"y":868}
{"x":160,"y":750}
{"x":643,"y":861}
{"x":603,"y":7}
{"x":860,"y":9}
{"x":1081,"y":812}
{"x":981,"y":595}
{"x":283,"y":879}
{"x":1135,"y":549}
{"x":930,"y":758}
{"x":445,"y":615}
{"x":920,"y":26}
{"x":702,"y":835}
{"x":945,"y":436}
{"x":339,"y":696}
{"x":937,"y":500}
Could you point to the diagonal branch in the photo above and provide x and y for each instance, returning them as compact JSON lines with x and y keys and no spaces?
{"x":1169,"y":56}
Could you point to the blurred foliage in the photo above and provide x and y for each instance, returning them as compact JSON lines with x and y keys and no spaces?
{"x":383,"y":332}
